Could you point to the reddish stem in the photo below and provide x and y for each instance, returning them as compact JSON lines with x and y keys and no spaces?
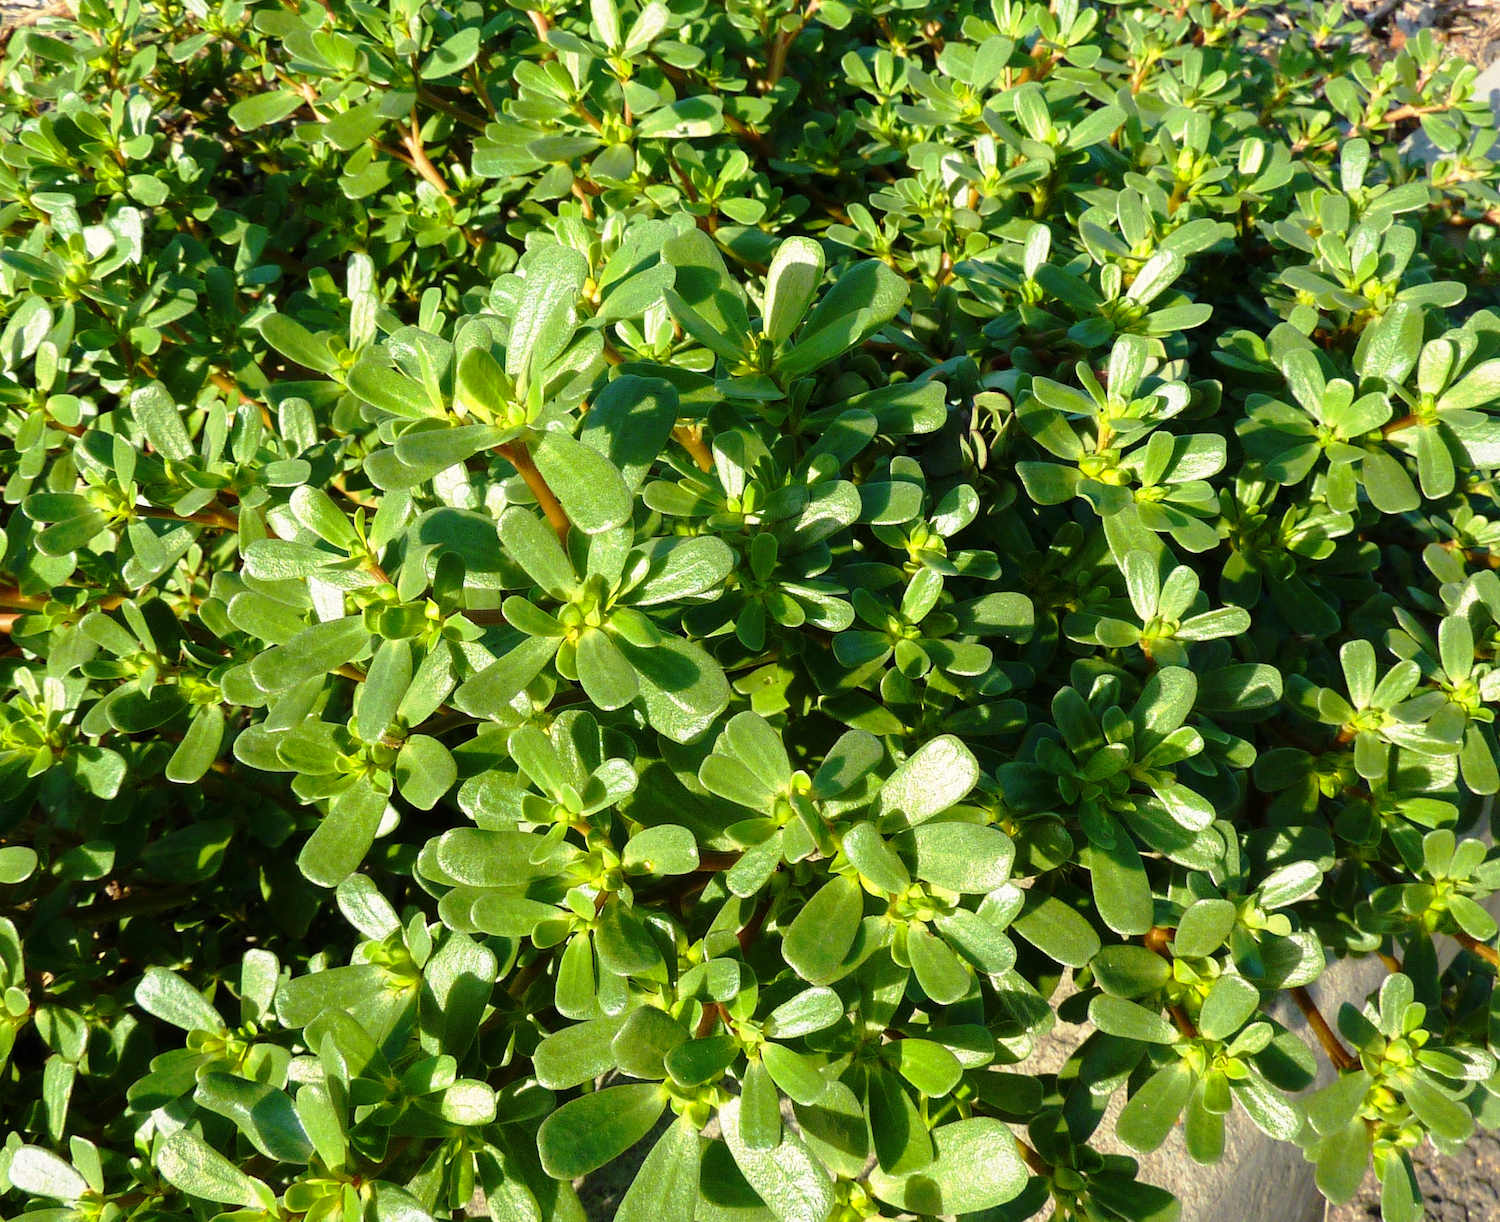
{"x":519,"y":457}
{"x":1341,"y":1057}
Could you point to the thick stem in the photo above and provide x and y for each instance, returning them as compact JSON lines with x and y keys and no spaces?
{"x":690,"y":438}
{"x":581,"y":194}
{"x":394,"y":153}
{"x":422,"y":161}
{"x":1475,"y":947}
{"x":782,"y":44}
{"x":204,"y":517}
{"x":749,"y":136}
{"x":757,"y":922}
{"x":1155,"y":940}
{"x":133,"y":905}
{"x":1033,"y":1160}
{"x":519,"y":457}
{"x":457,"y":113}
{"x":1184,"y":1023}
{"x":228,"y":387}
{"x":1340,"y":1056}
{"x":484,"y":615}
{"x":539,"y":23}
{"x":441,"y":724}
{"x":524,"y":978}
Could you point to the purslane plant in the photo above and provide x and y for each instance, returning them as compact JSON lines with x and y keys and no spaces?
{"x":700,"y":573}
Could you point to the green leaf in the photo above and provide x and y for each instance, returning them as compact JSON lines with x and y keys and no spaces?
{"x":592,"y":492}
{"x":643,"y":1042}
{"x":666,"y":1187}
{"x":1343,"y":1161}
{"x":682,"y":687}
{"x":939,"y":971}
{"x":810,"y":1010}
{"x":630,"y":421}
{"x":494,"y":687}
{"x":431,"y":450}
{"x":542,"y":326}
{"x":758,"y":746}
{"x":335,"y":850}
{"x":856,"y":754}
{"x":1272,"y":1113}
{"x":189,"y":1163}
{"x":585,"y":1133}
{"x":937,"y":775}
{"x":314,"y":651}
{"x":356,"y":125}
{"x":760,"y":1107}
{"x":264,"y":1114}
{"x":260,"y":109}
{"x":689,"y":118}
{"x":928,"y":1066}
{"x":1164,"y":704}
{"x":901,"y":1140}
{"x":875,"y":860}
{"x":1446,"y":1119}
{"x":1122,"y":892}
{"x":324,"y":1125}
{"x":864,"y":299}
{"x":608,"y":679}
{"x":167,"y":996}
{"x":1057,"y":930}
{"x":1129,"y":1021}
{"x":792,"y":1183}
{"x":295,"y":342}
{"x":1230,"y":1004}
{"x":622,"y":942}
{"x":1331,"y":1109}
{"x":1204,"y":928}
{"x":797,"y":1077}
{"x":793,"y":278}
{"x":821,"y":934}
{"x":424,"y":771}
{"x":976,"y":1165}
{"x":667,"y":849}
{"x":696,"y":1061}
{"x":1400,"y":1194}
{"x":482,"y":857}
{"x":962,"y":857}
{"x":1150,"y":1113}
{"x":41,"y":1173}
{"x":199,"y":747}
{"x":1388,"y":485}
{"x":380,"y":695}
{"x":578,"y":1053}
{"x":453,"y":54}
{"x":157,"y":413}
{"x":17,"y":863}
{"x":1477,"y":388}
{"x":1130,"y":971}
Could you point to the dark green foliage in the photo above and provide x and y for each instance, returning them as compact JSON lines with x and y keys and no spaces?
{"x":577,"y":568}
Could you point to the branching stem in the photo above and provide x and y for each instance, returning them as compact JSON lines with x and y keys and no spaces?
{"x":1341,"y":1058}
{"x":519,"y":456}
{"x":690,"y":438}
{"x":1475,"y":947}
